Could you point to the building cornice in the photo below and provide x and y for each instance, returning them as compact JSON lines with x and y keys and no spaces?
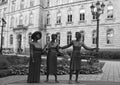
{"x":25,"y":9}
{"x":103,"y":24}
{"x":69,"y":4}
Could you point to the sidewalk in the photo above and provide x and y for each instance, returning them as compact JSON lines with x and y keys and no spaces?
{"x":110,"y":76}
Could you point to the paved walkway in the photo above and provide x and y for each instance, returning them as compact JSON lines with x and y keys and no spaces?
{"x":110,"y":76}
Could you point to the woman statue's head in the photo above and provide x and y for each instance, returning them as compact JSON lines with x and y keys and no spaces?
{"x":36,"y":35}
{"x":77,"y":35}
{"x":54,"y":36}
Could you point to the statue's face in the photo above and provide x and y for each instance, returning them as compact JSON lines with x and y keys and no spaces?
{"x":54,"y":37}
{"x":78,"y":35}
{"x":38,"y":36}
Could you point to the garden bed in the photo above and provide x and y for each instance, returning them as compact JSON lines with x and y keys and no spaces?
{"x":96,"y":68}
{"x":20,"y":66}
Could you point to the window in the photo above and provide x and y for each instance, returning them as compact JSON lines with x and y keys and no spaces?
{"x":26,"y":20}
{"x":29,"y":37}
{"x":11,"y":39}
{"x":16,"y":21}
{"x":94,"y":36}
{"x":48,"y":19}
{"x":110,"y":11}
{"x":47,"y":38}
{"x":21,"y":20}
{"x":3,"y":1}
{"x":13,"y":6}
{"x":59,"y":2}
{"x":69,"y":16}
{"x":31,"y":18}
{"x":82,"y":36}
{"x":4,"y":12}
{"x":31,"y":3}
{"x":48,"y":3}
{"x":58,"y":37}
{"x":12,"y":22}
{"x":58,"y":21}
{"x":22,"y":4}
{"x":82,"y":14}
{"x":110,"y":35}
{"x":69,"y":37}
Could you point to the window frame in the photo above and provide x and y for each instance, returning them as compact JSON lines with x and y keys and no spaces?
{"x":11,"y":39}
{"x":94,"y":37}
{"x":109,"y":39}
{"x":69,"y":37}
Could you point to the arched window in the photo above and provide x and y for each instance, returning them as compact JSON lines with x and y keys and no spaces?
{"x":110,"y":36}
{"x":82,"y":36}
{"x":11,"y":39}
{"x":82,"y":14}
{"x":94,"y":36}
{"x":69,"y":16}
{"x":47,"y":38}
{"x":58,"y":37}
{"x":21,"y":20}
{"x":31,"y":18}
{"x":69,"y":37}
{"x":110,"y":11}
{"x":58,"y":21}
{"x":48,"y":19}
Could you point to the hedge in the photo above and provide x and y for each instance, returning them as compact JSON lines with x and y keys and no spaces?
{"x":100,"y":54}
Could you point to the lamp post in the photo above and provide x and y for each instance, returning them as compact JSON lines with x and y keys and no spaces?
{"x":97,"y":9}
{"x":3,"y":22}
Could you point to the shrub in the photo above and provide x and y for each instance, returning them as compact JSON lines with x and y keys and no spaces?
{"x":4,"y":63}
{"x":99,"y":55}
{"x":16,"y":60}
{"x":18,"y":69}
{"x":4,"y":72}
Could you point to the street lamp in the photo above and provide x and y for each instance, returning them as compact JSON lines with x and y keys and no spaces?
{"x":3,"y":22}
{"x":97,"y":9}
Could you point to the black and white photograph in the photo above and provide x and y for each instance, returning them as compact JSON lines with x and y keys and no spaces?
{"x":59,"y":42}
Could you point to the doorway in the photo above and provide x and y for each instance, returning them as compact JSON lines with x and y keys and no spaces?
{"x":19,"y":41}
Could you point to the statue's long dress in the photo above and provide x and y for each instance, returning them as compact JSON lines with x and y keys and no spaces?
{"x":34,"y":67}
{"x":75,"y":62}
{"x":52,"y":58}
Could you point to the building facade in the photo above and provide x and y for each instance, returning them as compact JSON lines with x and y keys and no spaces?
{"x":23,"y":17}
{"x":64,"y":17}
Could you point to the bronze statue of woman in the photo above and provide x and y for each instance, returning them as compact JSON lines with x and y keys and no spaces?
{"x":75,"y":61}
{"x":35,"y":58}
{"x":52,"y":47}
